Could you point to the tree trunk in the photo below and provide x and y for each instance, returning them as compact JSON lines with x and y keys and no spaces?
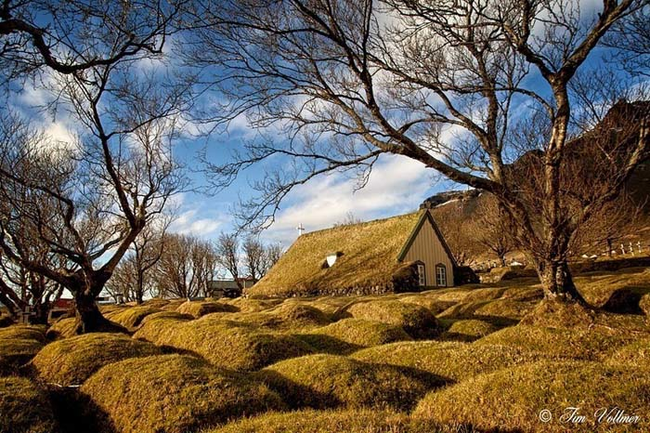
{"x":503,"y":261}
{"x":557,"y":282}
{"x":89,"y":318}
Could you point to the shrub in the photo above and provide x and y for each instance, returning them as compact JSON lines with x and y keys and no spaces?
{"x":224,"y":343}
{"x":199,"y":309}
{"x":350,"y":421}
{"x":131,"y":317}
{"x":511,"y":399}
{"x":174,"y":394}
{"x":73,"y":360}
{"x":452,"y":360}
{"x":363,"y":333}
{"x":469,"y":330}
{"x":325,"y":381}
{"x":417,"y":321}
{"x":24,"y":408}
{"x":579,"y":343}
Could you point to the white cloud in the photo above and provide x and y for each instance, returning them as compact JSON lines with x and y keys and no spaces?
{"x":397,"y":185}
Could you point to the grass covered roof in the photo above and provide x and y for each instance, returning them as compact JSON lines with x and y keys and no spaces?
{"x":367,"y":257}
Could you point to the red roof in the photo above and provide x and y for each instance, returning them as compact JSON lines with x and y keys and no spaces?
{"x":64,"y":303}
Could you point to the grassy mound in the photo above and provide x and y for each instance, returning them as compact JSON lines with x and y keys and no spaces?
{"x":175,"y":394}
{"x":173,"y":304}
{"x":62,"y":328}
{"x":5,"y":320}
{"x":247,"y":305}
{"x":644,"y":304}
{"x":73,"y":360}
{"x":432,"y":304}
{"x":326,"y":421}
{"x":511,"y":399}
{"x":298,"y":315}
{"x":353,"y":334}
{"x":469,"y":330}
{"x":166,"y":315}
{"x":579,"y":343}
{"x":224,"y":343}
{"x":199,"y":309}
{"x":506,"y":309}
{"x":417,"y":321}
{"x":19,"y":344}
{"x":636,"y":354}
{"x":131,"y":317}
{"x":23,"y":332}
{"x":598,"y":287}
{"x":326,"y":381}
{"x":24,"y":408}
{"x":452,"y":360}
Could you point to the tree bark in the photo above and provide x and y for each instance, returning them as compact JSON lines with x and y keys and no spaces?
{"x":89,"y":318}
{"x":557,"y":282}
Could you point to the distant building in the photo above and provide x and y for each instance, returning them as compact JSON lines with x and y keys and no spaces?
{"x":402,"y":253}
{"x":228,"y":288}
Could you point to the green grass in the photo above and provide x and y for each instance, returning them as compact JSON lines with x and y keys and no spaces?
{"x":174,"y":394}
{"x":327,"y":381}
{"x":25,"y":408}
{"x":73,"y":360}
{"x":512,"y":398}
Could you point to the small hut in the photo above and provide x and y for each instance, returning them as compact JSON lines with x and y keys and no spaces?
{"x":402,"y":253}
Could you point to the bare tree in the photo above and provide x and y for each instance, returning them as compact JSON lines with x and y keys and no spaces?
{"x":254,"y":254}
{"x":134,"y":276}
{"x":349,"y":220}
{"x":491,"y":229}
{"x":186,"y":267}
{"x":273,"y":254}
{"x":104,"y":188}
{"x":442,"y":82}
{"x":228,"y":255}
{"x":71,"y":36}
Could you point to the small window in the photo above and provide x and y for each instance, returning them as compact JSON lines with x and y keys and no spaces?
{"x":441,"y":276}
{"x":422,"y":276}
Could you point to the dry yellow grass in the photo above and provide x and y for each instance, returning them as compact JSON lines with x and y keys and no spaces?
{"x":598,"y":287}
{"x":19,"y":344}
{"x":73,"y":360}
{"x":62,"y":328}
{"x":512,"y":398}
{"x":131,"y":317}
{"x":200,"y":308}
{"x":469,"y":330}
{"x":224,"y":343}
{"x":175,"y":394}
{"x":330,"y":421}
{"x":636,"y":354}
{"x":416,"y":320}
{"x":248,"y":305}
{"x":579,"y":343}
{"x":24,"y":408}
{"x":455,"y":361}
{"x":348,"y":335}
{"x":326,"y":381}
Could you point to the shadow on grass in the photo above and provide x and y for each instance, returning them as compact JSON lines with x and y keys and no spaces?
{"x":626,"y":300}
{"x":77,"y":413}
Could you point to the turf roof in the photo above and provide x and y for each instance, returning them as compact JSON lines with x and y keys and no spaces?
{"x":369,"y":259}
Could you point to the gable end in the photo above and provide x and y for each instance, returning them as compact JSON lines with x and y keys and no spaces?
{"x":426,"y":216}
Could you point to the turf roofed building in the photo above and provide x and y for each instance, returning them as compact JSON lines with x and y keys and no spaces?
{"x":398,"y":254}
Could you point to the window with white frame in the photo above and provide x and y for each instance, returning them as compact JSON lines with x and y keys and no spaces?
{"x":441,"y":275}
{"x":422,"y":276}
